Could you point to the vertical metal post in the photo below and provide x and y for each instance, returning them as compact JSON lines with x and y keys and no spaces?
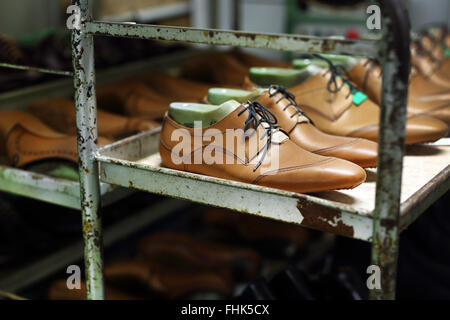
{"x":86,"y":118}
{"x":395,"y":56}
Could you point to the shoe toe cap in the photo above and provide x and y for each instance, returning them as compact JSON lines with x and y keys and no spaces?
{"x":327,"y":174}
{"x":362,"y":152}
{"x":420,"y":129}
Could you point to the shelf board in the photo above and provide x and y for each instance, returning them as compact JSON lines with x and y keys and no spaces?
{"x":134,"y":163}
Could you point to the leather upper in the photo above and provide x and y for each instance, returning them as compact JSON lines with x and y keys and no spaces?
{"x":304,"y":134}
{"x":335,"y":113}
{"x":25,"y":139}
{"x":134,"y":99}
{"x":59,"y":113}
{"x":424,"y":97}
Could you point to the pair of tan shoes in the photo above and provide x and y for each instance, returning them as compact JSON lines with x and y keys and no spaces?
{"x":330,"y":103}
{"x":271,"y":130}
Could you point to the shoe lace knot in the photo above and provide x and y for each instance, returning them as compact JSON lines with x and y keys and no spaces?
{"x":259,"y":115}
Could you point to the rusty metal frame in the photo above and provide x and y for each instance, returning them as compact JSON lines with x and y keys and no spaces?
{"x":386,"y":220}
{"x":395,"y":57}
{"x":87,"y":135}
{"x":393,"y":50}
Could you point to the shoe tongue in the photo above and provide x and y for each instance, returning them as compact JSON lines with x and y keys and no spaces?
{"x":187,"y":114}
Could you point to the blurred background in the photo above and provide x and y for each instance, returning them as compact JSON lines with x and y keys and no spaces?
{"x":314,"y":17}
{"x":156,"y":248}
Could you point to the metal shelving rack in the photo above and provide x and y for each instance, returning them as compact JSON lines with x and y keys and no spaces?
{"x":134,"y":163}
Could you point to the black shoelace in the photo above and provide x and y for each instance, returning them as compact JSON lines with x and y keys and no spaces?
{"x":337,"y":71}
{"x":286,"y":94}
{"x":257,"y":115}
{"x":424,"y":52}
{"x":373,"y":63}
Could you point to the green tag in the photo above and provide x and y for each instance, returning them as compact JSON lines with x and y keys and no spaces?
{"x":447,"y":52}
{"x":358,"y":96}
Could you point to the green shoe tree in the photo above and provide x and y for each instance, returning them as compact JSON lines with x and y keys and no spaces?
{"x":187,"y":113}
{"x":221,"y":95}
{"x":345,"y":61}
{"x":57,"y":169}
{"x":280,"y":76}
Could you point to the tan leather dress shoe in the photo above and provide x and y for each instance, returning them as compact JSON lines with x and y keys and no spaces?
{"x":305,"y":134}
{"x":59,"y":113}
{"x":174,"y":88}
{"x":217,"y":68}
{"x":429,"y":66}
{"x":168,"y":279}
{"x":181,"y":249}
{"x":266,"y":157}
{"x":442,"y":35}
{"x":424,"y":97}
{"x":251,"y":60}
{"x":25,"y":139}
{"x":328,"y":102}
{"x":437,"y":53}
{"x":257,"y":229}
{"x":58,"y":291}
{"x":134,"y":99}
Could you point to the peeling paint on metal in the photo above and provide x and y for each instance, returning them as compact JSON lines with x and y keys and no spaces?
{"x":283,"y":42}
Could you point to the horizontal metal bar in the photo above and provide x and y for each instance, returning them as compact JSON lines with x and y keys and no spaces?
{"x":41,"y":70}
{"x":283,"y":42}
{"x":298,"y":210}
{"x":28,"y":275}
{"x":40,"y":187}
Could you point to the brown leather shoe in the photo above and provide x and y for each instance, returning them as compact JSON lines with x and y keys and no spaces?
{"x":257,"y":229}
{"x":174,"y":88}
{"x":166,"y":279}
{"x":181,"y":249}
{"x":436,"y":53}
{"x":429,"y":66}
{"x":134,"y":99}
{"x":25,"y":139}
{"x":58,"y":291}
{"x":305,"y":134}
{"x":442,"y":35}
{"x":59,"y":113}
{"x":267,"y":157}
{"x":251,"y":60}
{"x":424,"y":97}
{"x":216,"y":68}
{"x":335,"y":113}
